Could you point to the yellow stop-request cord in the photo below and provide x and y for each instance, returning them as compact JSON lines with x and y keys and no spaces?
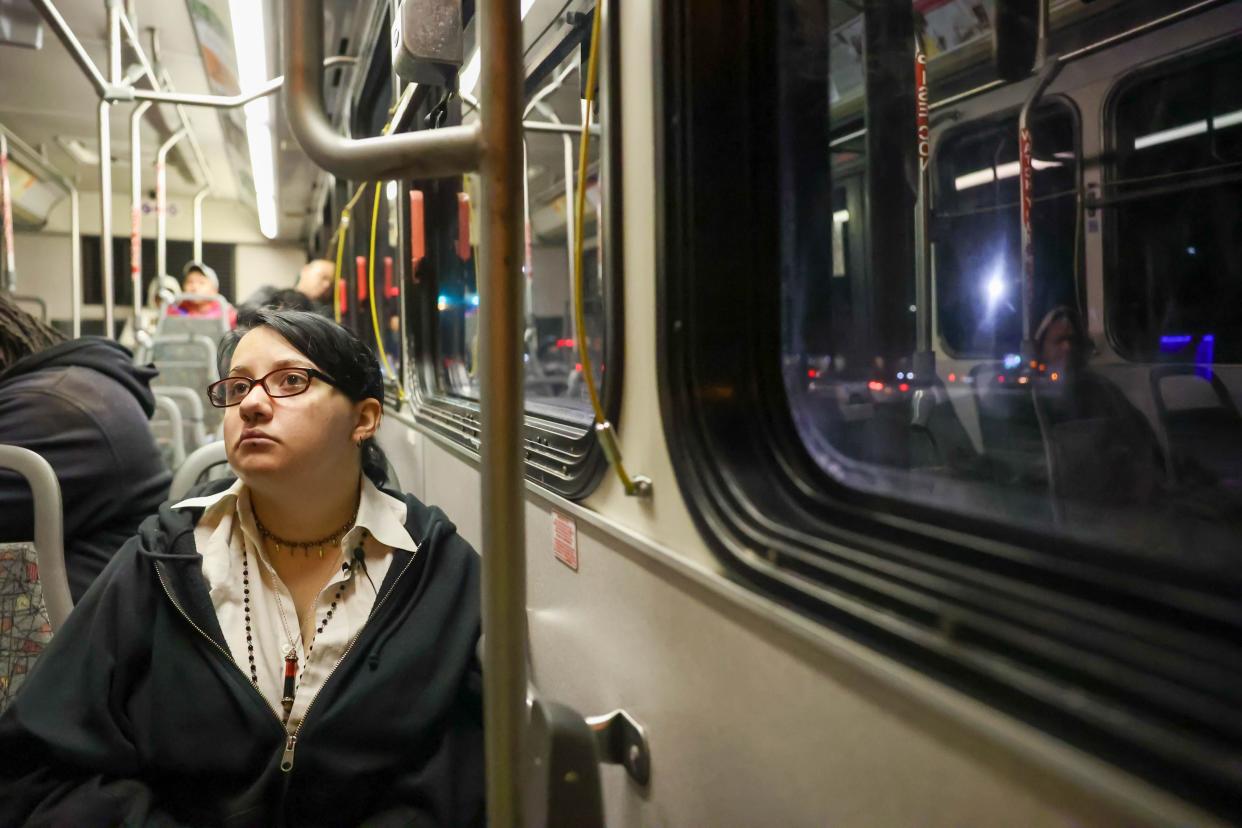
{"x":634,"y":486}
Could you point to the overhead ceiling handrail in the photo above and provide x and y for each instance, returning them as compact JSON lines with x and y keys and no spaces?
{"x":424,"y":154}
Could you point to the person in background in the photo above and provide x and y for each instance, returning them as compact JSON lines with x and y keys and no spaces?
{"x":84,"y":406}
{"x":296,"y":647}
{"x":314,"y":282}
{"x":287,"y":299}
{"x":1104,"y":449}
{"x":200,"y":280}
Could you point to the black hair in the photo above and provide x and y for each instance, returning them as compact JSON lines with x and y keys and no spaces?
{"x":21,"y":334}
{"x":286,"y":299}
{"x":336,"y":352}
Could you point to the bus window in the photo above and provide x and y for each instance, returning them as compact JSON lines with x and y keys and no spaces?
{"x":554,"y":370}
{"x":1175,"y":285}
{"x":978,"y":261}
{"x":1044,"y":433}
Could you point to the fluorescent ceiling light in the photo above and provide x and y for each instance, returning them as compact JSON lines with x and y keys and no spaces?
{"x":988,"y":175}
{"x":250,"y":46}
{"x":469,"y":77}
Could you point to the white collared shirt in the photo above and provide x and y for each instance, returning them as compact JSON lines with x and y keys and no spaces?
{"x":227,"y":527}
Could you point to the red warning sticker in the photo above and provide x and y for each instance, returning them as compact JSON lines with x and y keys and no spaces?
{"x":565,"y":540}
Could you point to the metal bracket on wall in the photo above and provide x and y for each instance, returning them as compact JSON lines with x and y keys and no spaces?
{"x":620,"y":740}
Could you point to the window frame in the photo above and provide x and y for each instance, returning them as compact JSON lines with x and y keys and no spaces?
{"x":942,"y":592}
{"x":1069,"y":105}
{"x":1162,"y":66}
{"x":561,"y":454}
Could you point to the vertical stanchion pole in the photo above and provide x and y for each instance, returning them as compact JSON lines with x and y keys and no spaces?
{"x":75,"y":238}
{"x":9,"y":280}
{"x":504,"y":559}
{"x":135,"y":206}
{"x":105,"y":169}
{"x":924,"y":353}
{"x":105,"y":212}
{"x":198,"y":220}
{"x":161,"y":203}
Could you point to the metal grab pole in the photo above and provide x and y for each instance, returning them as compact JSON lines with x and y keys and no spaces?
{"x":924,"y":353}
{"x":501,"y":373}
{"x":161,"y":204}
{"x":105,"y":170}
{"x":75,"y":238}
{"x":495,"y":145}
{"x":198,"y":221}
{"x":9,"y":280}
{"x":1049,"y":69}
{"x":72,"y":45}
{"x":135,"y":207}
{"x":105,"y":213}
{"x":433,"y":153}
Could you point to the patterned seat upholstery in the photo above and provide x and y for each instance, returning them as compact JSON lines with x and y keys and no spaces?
{"x":25,"y":629}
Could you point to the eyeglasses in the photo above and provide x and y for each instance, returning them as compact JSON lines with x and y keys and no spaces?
{"x":283,"y":382}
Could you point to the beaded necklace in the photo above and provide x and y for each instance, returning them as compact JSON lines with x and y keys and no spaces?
{"x":292,"y":677}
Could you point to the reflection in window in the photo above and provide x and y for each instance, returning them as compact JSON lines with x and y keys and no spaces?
{"x":1056,"y":434}
{"x":554,"y":378}
{"x":1176,"y":280}
{"x":978,"y":256}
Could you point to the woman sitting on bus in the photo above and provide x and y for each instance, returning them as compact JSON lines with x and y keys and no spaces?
{"x":293,"y":647}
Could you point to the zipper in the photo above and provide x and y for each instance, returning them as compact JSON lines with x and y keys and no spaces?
{"x":227,"y":655}
{"x":286,"y":760}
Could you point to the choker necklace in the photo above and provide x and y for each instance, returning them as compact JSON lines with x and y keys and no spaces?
{"x":306,"y":546}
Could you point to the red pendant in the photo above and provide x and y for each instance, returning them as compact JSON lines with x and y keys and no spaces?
{"x":291,"y":673}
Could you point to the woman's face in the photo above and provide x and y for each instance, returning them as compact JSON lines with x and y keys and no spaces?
{"x":308,"y":439}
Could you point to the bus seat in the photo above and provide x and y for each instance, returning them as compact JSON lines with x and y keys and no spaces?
{"x":1201,"y":422}
{"x":212,"y":328}
{"x":1009,"y":427}
{"x":200,"y":465}
{"x":169,"y":430}
{"x":25,"y":628}
{"x":938,"y":438}
{"x":34,"y":586}
{"x":193,"y":412}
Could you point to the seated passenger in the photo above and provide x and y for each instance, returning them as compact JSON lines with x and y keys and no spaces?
{"x":200,"y":280}
{"x":84,"y":406}
{"x":314,"y":282}
{"x":287,"y":299}
{"x":296,"y":647}
{"x":1103,"y":449}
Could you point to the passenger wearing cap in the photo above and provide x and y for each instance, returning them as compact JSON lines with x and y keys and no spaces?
{"x":200,"y":280}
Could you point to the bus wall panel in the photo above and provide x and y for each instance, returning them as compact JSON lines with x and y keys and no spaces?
{"x":749,"y":724}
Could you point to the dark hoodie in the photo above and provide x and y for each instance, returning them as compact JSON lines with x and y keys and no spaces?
{"x":84,"y":406}
{"x":137,"y":714}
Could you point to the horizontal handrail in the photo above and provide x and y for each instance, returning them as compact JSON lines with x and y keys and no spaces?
{"x":431,"y":153}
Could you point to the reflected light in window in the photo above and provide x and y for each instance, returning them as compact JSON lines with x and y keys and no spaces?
{"x":1190,"y":130}
{"x":442,"y":302}
{"x":994,"y":290}
{"x":987,"y":176}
